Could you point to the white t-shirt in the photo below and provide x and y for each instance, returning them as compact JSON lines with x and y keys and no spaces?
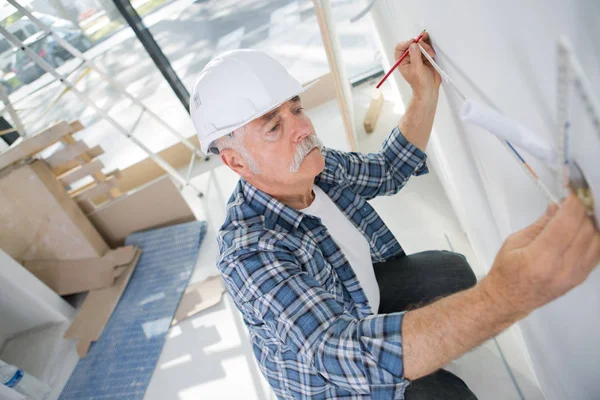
{"x":352,"y":243}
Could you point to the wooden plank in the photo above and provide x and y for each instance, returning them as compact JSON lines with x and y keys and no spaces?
{"x":85,"y":158}
{"x":373,"y":112}
{"x":97,"y":309}
{"x":115,"y":173}
{"x":67,"y":153}
{"x":115,"y":192}
{"x":34,"y":144}
{"x":97,"y":189}
{"x":153,"y":205}
{"x":81,"y":172}
{"x":76,"y":276}
{"x":145,"y":171}
{"x":342,"y":85}
{"x":86,"y":206}
{"x":69,"y":165}
{"x":76,"y":126}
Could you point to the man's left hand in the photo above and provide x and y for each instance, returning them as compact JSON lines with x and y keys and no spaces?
{"x":418,"y":72}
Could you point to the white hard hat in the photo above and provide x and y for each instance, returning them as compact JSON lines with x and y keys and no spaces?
{"x":235,"y":88}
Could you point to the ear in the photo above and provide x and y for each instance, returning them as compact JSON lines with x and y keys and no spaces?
{"x":236,"y":162}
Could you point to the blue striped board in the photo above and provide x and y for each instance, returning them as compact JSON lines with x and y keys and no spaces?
{"x":120,"y":364}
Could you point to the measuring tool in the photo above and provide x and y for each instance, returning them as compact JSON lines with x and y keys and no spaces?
{"x":500,"y":126}
{"x":569,"y":71}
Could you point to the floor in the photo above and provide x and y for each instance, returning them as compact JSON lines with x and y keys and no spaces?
{"x":209,"y":356}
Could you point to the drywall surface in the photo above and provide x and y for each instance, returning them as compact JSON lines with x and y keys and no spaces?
{"x":25,"y":302}
{"x":504,"y":54}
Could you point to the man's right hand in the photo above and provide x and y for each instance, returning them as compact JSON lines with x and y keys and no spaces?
{"x":545,"y":260}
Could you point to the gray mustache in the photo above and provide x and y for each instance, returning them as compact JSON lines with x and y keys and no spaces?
{"x":306,"y":146}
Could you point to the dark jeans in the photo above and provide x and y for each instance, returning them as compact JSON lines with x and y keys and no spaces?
{"x":413,"y":281}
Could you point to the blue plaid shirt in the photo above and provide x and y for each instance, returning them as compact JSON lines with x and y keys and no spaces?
{"x":313,"y":331}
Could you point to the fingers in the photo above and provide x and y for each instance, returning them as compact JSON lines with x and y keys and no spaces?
{"x":551,"y":210}
{"x":416,"y":58}
{"x":592,"y":256}
{"x":401,"y":48}
{"x":563,"y":227}
{"x":427,"y":48}
{"x":525,"y":236}
{"x":577,"y":251}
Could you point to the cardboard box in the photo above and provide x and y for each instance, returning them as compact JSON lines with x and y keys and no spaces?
{"x":40,"y":220}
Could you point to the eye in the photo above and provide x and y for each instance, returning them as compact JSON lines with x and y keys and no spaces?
{"x":274,"y":128}
{"x":299,"y":110}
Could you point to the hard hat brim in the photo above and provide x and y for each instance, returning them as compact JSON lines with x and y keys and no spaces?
{"x":212,"y":149}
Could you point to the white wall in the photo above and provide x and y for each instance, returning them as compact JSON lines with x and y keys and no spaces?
{"x":504,"y":53}
{"x":25,"y":302}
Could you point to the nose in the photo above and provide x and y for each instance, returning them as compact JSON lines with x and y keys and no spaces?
{"x":300,"y":128}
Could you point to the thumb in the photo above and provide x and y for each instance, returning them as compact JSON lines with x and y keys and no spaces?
{"x":416,"y":59}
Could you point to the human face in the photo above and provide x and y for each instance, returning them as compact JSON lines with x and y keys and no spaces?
{"x":273,"y":141}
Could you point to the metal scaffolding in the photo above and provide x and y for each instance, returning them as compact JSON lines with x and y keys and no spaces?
{"x":184,"y":181}
{"x":90,"y":64}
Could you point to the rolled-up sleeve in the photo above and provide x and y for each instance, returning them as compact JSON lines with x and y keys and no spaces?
{"x":381,"y":173}
{"x":354,"y":354}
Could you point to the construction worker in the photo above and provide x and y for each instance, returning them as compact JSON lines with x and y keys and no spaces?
{"x":334,"y":307}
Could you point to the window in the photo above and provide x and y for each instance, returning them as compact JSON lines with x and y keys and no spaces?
{"x":4,"y":45}
{"x":20,"y":34}
{"x":31,"y":29}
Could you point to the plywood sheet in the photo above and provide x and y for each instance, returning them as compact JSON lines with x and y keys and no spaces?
{"x":67,"y":153}
{"x":158,"y":203}
{"x":97,"y":309}
{"x":69,"y":165}
{"x":76,"y":276}
{"x":33,"y":145}
{"x":84,"y":170}
{"x":40,"y":220}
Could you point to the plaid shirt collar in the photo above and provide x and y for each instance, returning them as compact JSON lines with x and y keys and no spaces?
{"x":274,"y":211}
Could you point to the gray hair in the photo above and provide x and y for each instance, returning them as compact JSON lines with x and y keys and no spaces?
{"x":235,"y":141}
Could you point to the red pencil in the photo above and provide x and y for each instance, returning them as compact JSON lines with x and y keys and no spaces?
{"x":402,"y":57}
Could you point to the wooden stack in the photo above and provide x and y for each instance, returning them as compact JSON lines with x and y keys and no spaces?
{"x":73,"y":162}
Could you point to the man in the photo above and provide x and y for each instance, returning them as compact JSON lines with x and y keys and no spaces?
{"x":334,"y":307}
